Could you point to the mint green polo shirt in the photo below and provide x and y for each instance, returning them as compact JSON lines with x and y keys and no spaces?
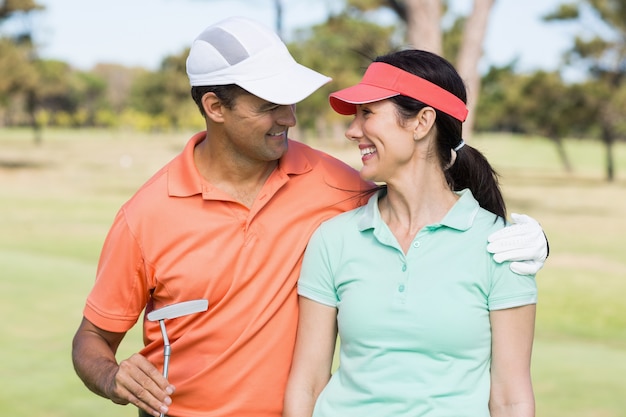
{"x":414,"y":329}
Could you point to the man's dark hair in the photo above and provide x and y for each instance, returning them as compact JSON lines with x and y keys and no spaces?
{"x":227,"y":94}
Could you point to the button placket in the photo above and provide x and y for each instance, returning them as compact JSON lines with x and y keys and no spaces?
{"x":401,"y":284}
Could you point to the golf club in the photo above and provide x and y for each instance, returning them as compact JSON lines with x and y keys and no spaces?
{"x":171,"y":312}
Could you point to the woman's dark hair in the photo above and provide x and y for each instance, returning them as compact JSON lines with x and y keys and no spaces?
{"x":471,"y":169}
{"x":226,"y":93}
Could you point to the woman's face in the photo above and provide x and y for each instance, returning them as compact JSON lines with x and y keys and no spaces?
{"x":386,"y":146}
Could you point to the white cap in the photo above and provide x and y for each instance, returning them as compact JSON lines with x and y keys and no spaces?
{"x":241,"y":51}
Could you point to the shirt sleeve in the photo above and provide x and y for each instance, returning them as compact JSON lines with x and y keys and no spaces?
{"x":509,"y":289}
{"x":121,"y":291}
{"x":316,"y":276}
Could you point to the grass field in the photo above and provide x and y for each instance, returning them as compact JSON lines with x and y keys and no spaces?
{"x":57,"y":201}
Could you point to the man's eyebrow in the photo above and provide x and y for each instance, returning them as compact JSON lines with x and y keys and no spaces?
{"x":268,"y":105}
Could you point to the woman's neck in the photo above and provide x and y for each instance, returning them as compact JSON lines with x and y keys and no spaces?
{"x":415,"y":202}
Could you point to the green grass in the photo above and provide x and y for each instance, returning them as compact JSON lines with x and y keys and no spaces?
{"x":57,"y":201}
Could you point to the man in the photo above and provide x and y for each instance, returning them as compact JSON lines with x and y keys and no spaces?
{"x":228,"y":221}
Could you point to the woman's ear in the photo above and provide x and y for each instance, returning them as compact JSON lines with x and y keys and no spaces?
{"x":213,"y":107}
{"x":424,"y":121}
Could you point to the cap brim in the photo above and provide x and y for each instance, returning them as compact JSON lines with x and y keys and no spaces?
{"x":291,"y":85}
{"x":345,"y":101}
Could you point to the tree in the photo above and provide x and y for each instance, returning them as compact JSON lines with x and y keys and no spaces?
{"x":601,"y":49}
{"x":563,"y":110}
{"x":164,"y":94}
{"x":23,"y":67}
{"x":119,"y":80}
{"x":16,"y":71}
{"x":538,"y":103}
{"x":499,"y":105}
{"x":12,"y":8}
{"x":470,"y":54}
{"x":51,"y":91}
{"x":423,"y":23}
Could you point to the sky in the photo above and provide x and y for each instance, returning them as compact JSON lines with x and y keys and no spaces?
{"x":143,"y":32}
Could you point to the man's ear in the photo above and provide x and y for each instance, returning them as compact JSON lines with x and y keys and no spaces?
{"x":424,"y":121}
{"x":213,"y":107}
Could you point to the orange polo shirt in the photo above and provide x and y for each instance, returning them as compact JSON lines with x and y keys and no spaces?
{"x":179,"y":238}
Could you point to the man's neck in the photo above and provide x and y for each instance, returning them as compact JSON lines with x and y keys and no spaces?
{"x":241,"y":178}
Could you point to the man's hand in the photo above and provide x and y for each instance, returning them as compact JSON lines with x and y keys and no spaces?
{"x":135,"y":380}
{"x":523,"y":242}
{"x":138,"y":382}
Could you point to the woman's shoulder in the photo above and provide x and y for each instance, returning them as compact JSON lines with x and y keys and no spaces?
{"x":343,"y":221}
{"x":488,"y":222}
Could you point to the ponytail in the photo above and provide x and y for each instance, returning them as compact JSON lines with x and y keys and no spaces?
{"x":472,"y":170}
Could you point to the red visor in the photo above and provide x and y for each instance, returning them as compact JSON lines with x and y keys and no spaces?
{"x":382,"y":81}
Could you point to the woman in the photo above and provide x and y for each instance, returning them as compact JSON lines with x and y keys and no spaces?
{"x":430,"y":325}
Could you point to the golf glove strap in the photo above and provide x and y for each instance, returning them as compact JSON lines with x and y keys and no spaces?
{"x":523,"y":243}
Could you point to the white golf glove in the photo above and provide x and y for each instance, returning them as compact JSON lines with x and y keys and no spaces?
{"x":523,"y":242}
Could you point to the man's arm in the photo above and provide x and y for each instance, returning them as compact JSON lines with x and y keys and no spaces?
{"x":134,"y":380}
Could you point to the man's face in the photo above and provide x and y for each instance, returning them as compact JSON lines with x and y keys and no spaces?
{"x":257,"y":129}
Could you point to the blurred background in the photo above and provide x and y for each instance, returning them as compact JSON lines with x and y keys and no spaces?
{"x":94,"y":99}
